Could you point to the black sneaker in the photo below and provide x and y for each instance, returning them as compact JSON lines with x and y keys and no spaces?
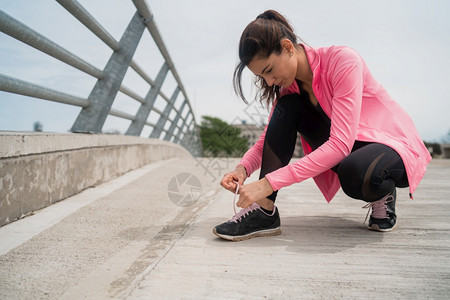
{"x":250,"y":222}
{"x":383,"y":217}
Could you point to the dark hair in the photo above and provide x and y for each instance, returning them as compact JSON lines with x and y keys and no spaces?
{"x":261,"y":38}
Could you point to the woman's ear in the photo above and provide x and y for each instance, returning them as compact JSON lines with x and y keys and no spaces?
{"x":287,"y":46}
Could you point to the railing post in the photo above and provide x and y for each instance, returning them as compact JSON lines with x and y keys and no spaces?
{"x":172,"y":127}
{"x":92,"y":118}
{"x":98,"y":105}
{"x":183,"y":125}
{"x":141,"y":116}
{"x":189,"y":136}
{"x":165,"y":116}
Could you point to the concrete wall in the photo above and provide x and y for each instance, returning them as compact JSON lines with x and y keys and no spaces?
{"x":39,"y":169}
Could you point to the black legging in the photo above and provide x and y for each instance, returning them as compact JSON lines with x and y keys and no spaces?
{"x":370,"y":172}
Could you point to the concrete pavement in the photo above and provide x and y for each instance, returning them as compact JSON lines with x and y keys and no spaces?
{"x":131,"y":238}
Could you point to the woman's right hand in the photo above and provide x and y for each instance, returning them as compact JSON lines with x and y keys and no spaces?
{"x":229,"y":179}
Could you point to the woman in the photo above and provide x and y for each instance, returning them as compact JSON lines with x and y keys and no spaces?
{"x":353,"y":134}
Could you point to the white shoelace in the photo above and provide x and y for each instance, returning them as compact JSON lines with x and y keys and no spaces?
{"x":243,"y":212}
{"x":235,"y":195}
{"x":379,"y":209}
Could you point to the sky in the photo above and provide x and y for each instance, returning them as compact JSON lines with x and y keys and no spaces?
{"x":405,"y":43}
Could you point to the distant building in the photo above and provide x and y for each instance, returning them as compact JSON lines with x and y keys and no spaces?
{"x":252,"y":132}
{"x":445,"y":150}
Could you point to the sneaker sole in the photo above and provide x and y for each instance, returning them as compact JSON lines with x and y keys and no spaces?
{"x":375,"y":227}
{"x":238,"y":238}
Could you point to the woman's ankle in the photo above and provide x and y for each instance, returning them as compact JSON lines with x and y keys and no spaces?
{"x":266,"y":203}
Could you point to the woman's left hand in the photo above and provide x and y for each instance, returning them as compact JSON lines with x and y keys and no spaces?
{"x":252,"y":192}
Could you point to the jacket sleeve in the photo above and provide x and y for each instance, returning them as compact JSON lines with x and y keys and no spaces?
{"x":345,"y":77}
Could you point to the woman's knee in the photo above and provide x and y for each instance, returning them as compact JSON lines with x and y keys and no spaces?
{"x":366,"y":174}
{"x":350,"y":178}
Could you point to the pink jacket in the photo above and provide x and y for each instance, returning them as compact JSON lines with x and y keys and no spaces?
{"x":359,"y":109}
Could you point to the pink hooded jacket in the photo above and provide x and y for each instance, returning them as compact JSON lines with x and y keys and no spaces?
{"x":359,"y":109}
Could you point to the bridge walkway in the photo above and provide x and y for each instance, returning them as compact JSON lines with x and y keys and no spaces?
{"x":130,"y":238}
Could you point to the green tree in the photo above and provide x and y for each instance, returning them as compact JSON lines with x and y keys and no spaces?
{"x":220,"y":139}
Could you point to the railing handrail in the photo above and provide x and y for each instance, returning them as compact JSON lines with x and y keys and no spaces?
{"x":145,"y":12}
{"x":79,"y":12}
{"x":22,"y":87}
{"x":26,"y":35}
{"x":23,"y":33}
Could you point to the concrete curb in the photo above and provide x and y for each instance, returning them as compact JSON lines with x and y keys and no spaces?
{"x":37,"y":170}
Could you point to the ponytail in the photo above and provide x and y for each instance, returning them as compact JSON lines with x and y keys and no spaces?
{"x":261,"y":38}
{"x":276,"y":16}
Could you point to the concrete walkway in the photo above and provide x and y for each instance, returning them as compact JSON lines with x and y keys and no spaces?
{"x":145,"y":235}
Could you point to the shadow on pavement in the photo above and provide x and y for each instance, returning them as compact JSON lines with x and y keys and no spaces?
{"x":302,"y":234}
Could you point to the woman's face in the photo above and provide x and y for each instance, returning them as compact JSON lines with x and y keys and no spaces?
{"x":278,"y":69}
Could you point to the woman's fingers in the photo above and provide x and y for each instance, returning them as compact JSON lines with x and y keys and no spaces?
{"x":254,"y":191}
{"x":229,"y":182}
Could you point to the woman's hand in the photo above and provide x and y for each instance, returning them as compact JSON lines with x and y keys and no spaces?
{"x":254,"y":192}
{"x":228,"y":181}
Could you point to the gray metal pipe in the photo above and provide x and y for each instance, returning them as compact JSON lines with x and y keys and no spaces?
{"x":147,"y":78}
{"x":175,"y":122}
{"x":21,"y":87}
{"x":146,"y":108}
{"x":23,"y":33}
{"x":79,"y":12}
{"x":141,"y":72}
{"x":98,"y":106}
{"x":145,"y":12}
{"x":92,"y":118}
{"x":121,"y":114}
{"x":156,"y":133}
{"x":131,"y":94}
{"x":150,"y":124}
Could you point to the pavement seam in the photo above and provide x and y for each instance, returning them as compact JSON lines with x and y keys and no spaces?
{"x":148,"y":271}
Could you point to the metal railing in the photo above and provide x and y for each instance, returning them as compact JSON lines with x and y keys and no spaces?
{"x":98,"y":105}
